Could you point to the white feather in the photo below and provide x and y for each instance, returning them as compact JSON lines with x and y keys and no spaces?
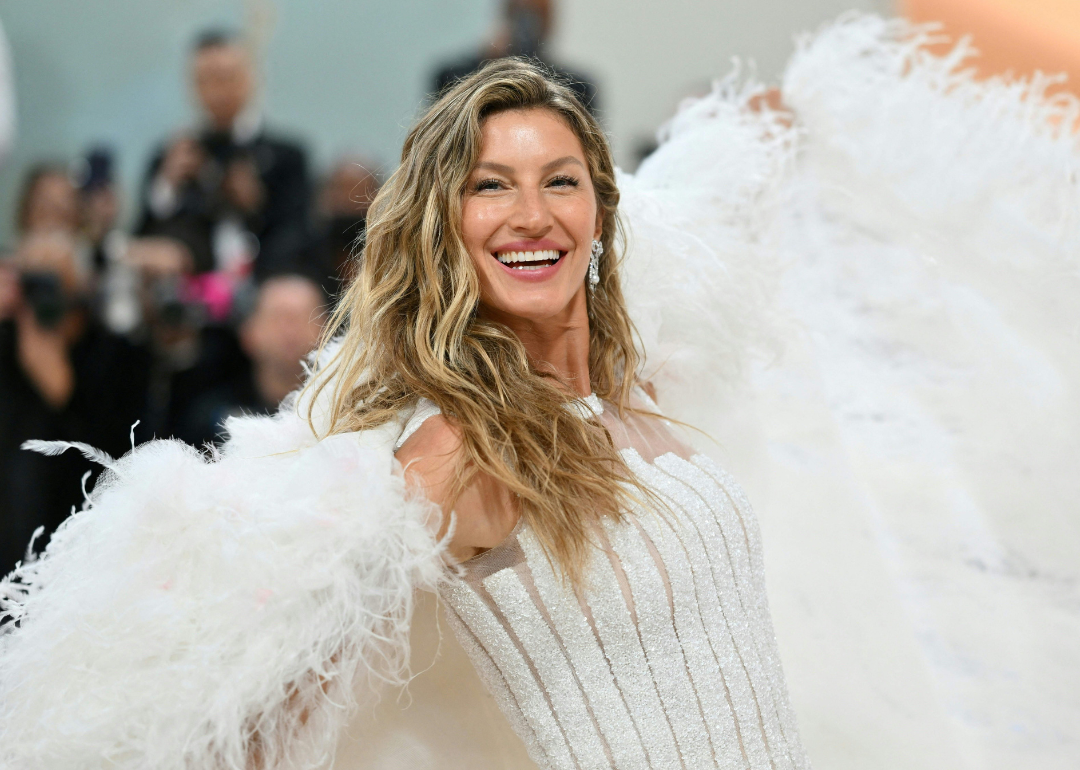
{"x":919,"y":435}
{"x":195,"y":603}
{"x":702,"y":261}
{"x":55,"y":448}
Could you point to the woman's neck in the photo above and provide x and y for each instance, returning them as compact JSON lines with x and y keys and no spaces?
{"x":558,"y":345}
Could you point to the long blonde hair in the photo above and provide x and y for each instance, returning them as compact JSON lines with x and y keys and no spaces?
{"x":410,"y":327}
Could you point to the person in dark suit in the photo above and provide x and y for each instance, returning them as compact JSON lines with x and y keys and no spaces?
{"x":523,"y":31}
{"x":236,"y":195}
{"x":283,"y":325}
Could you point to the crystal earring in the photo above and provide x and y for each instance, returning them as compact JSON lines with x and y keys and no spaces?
{"x":594,"y":264}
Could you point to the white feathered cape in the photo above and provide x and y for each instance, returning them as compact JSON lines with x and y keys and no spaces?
{"x":198,"y":603}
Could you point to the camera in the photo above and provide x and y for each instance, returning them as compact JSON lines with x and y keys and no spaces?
{"x":173,"y":305}
{"x":44,"y":293}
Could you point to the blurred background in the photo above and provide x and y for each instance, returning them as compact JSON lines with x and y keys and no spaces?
{"x":181,"y":181}
{"x":350,"y":75}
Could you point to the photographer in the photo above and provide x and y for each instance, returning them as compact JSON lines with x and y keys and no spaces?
{"x":62,"y":377}
{"x":234,"y":194}
{"x":285,"y":318}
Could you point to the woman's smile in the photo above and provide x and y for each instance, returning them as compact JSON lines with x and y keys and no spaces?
{"x":531,"y":260}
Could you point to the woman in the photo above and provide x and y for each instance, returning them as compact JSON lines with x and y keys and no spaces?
{"x":49,"y":202}
{"x":609,"y":587}
{"x":223,"y":611}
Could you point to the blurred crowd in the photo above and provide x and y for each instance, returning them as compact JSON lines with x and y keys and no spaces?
{"x":204,"y":307}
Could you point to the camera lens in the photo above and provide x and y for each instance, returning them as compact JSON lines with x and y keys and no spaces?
{"x":45,"y":295}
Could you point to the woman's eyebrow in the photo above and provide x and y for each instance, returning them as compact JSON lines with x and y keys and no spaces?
{"x":501,"y":168}
{"x":496,"y":167}
{"x":561,"y":161}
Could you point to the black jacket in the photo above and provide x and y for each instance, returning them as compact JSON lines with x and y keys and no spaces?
{"x":111,"y":378}
{"x":281,"y":224}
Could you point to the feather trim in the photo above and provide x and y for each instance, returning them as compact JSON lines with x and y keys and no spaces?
{"x":702,"y":263}
{"x":202,"y":611}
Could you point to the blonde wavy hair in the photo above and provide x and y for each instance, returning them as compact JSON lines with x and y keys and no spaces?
{"x":410,"y":327}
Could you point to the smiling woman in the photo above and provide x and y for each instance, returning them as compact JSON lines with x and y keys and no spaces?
{"x":530,"y":204}
{"x":611,"y":593}
{"x":480,"y":428}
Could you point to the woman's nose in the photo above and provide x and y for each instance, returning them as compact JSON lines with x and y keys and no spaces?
{"x":530,"y":213}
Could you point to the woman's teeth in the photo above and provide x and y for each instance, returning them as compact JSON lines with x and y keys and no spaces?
{"x":529,"y":260}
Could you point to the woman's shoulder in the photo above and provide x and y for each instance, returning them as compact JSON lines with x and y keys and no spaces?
{"x":429,"y":450}
{"x":427,"y":440}
{"x":433,"y":461}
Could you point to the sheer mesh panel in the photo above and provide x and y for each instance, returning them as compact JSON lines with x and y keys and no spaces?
{"x":666,"y":657}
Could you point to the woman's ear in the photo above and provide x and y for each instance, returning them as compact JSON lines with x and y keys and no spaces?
{"x":599,"y":226}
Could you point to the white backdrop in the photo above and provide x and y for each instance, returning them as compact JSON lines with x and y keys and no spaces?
{"x":648,"y":55}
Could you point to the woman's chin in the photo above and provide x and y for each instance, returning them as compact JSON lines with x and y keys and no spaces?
{"x":535,"y":306}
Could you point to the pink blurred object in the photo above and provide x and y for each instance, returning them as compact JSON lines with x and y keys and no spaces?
{"x":214,"y":291}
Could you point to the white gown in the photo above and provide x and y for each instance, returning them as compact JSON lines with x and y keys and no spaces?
{"x":668,"y":658}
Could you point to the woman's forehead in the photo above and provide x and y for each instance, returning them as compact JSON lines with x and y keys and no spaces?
{"x":528,"y":137}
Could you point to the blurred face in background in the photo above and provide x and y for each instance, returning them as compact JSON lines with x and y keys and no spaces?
{"x":54,"y":254}
{"x":223,"y":82}
{"x":348,"y":191}
{"x":51,"y":205}
{"x":285,"y":325}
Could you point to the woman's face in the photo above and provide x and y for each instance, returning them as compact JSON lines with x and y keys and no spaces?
{"x":530,"y":216}
{"x":53,"y":205}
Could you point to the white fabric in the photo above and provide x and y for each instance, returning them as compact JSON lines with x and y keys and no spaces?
{"x":912,"y":454}
{"x":665,"y":658}
{"x":425,"y":408}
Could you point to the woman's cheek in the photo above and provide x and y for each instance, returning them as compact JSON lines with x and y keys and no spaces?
{"x":579,"y":216}
{"x":481,"y":221}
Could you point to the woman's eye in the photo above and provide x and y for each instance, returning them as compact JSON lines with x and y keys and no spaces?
{"x":487,"y":184}
{"x":563,"y":181}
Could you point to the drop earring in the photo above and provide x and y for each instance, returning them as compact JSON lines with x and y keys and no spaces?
{"x":594,"y":264}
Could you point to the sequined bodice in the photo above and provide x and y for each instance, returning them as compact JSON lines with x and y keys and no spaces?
{"x":666,"y":660}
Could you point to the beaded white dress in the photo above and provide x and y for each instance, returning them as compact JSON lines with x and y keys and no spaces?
{"x":667,"y":658}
